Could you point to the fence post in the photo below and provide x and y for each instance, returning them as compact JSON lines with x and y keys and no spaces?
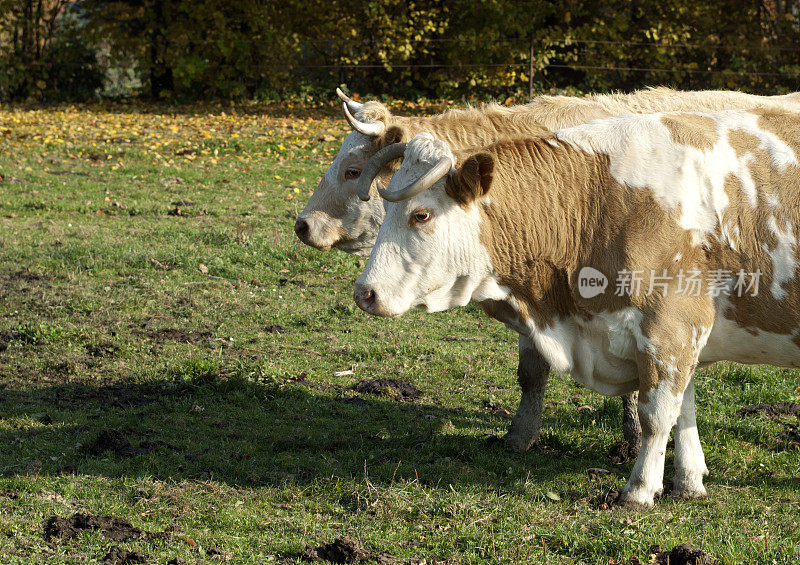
{"x":530,"y":72}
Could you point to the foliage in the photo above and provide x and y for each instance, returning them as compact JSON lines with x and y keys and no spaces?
{"x":211,"y":49}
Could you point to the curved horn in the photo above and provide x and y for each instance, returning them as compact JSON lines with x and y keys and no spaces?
{"x":370,"y":129}
{"x":352,"y":104}
{"x":440,"y":169}
{"x":375,"y":164}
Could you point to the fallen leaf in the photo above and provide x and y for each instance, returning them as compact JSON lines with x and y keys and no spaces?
{"x":203,"y":269}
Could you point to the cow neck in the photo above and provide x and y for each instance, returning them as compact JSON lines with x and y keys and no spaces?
{"x":542,"y":207}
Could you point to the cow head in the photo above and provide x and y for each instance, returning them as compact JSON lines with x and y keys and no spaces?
{"x":428,"y":252}
{"x":334,"y":215}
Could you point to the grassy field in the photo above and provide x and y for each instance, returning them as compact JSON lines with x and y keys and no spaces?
{"x":170,"y":354}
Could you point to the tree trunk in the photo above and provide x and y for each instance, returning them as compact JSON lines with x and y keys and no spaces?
{"x":161,"y":79}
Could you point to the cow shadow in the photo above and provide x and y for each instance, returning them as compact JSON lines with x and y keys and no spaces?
{"x":251,"y":434}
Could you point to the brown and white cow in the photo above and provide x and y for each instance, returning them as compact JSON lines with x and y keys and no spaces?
{"x":336,"y":217}
{"x":629,"y":251}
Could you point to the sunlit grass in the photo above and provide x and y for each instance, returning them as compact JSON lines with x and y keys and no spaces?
{"x":150,"y":284}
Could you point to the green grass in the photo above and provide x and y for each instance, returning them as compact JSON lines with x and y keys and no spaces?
{"x":210,"y":339}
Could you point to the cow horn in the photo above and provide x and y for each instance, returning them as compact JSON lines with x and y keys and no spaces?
{"x":352,"y":104}
{"x":440,"y":169}
{"x":375,"y":164}
{"x":370,"y":129}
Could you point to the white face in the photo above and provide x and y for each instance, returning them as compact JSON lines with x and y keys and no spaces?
{"x":334,"y":215}
{"x":428,"y":252}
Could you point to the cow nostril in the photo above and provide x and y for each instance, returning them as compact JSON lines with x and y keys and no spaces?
{"x":365,"y":298}
{"x":301,"y":229}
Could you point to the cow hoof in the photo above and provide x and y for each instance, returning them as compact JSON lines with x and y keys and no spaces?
{"x":515,"y":442}
{"x":633,"y":501}
{"x":688,"y":488}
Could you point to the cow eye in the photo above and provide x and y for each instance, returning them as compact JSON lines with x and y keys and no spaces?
{"x":422,"y":216}
{"x":352,"y":173}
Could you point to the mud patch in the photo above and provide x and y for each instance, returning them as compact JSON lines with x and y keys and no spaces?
{"x":117,"y":556}
{"x":771,"y":410}
{"x":393,"y":388}
{"x":606,"y":501}
{"x":174,"y":334}
{"x":683,"y":554}
{"x":101,"y":349}
{"x":115,"y":442}
{"x":775,"y":412}
{"x":57,"y":528}
{"x":7,"y":336}
{"x":10,"y":494}
{"x":343,"y":550}
{"x":622,"y":452}
{"x":27,"y":276}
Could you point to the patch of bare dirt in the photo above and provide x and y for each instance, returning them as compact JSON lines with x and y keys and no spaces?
{"x":27,"y":276}
{"x":117,"y":556}
{"x":10,"y":494}
{"x":114,"y":441}
{"x":683,"y":554}
{"x":174,"y":334}
{"x":622,"y":452}
{"x":101,"y":349}
{"x":343,"y":550}
{"x":607,"y":501}
{"x":775,"y":412}
{"x":771,"y":410}
{"x":393,"y":388}
{"x":57,"y":528}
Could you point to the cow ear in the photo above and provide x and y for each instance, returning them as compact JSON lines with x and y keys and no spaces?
{"x":472,"y":180}
{"x":393,"y":134}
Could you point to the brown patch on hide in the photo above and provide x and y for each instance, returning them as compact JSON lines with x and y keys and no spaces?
{"x":695,"y":131}
{"x":742,"y":142}
{"x":750,"y":252}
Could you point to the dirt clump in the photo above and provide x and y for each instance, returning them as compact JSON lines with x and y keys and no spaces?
{"x":57,"y":528}
{"x":393,"y":388}
{"x":775,"y":412}
{"x":771,"y":410}
{"x":683,"y":554}
{"x":117,"y":556}
{"x":113,"y":441}
{"x":608,"y":500}
{"x":343,"y":550}
{"x":10,"y":494}
{"x":174,"y":334}
{"x":622,"y":452}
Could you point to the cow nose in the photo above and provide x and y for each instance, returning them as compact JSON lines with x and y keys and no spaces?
{"x":365,"y":298}
{"x":301,"y":229}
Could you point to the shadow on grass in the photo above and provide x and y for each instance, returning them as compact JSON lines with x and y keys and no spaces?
{"x":250,"y":434}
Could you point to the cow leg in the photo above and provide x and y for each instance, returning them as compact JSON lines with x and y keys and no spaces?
{"x":665,"y":365}
{"x":658,"y":413}
{"x":690,"y":464}
{"x":631,"y":428}
{"x":532,"y":374}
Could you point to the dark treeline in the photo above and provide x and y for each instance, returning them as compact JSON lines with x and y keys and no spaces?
{"x":190,"y":49}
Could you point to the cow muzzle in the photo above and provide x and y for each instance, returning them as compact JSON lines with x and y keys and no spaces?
{"x":314,"y":233}
{"x":367,"y":299}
